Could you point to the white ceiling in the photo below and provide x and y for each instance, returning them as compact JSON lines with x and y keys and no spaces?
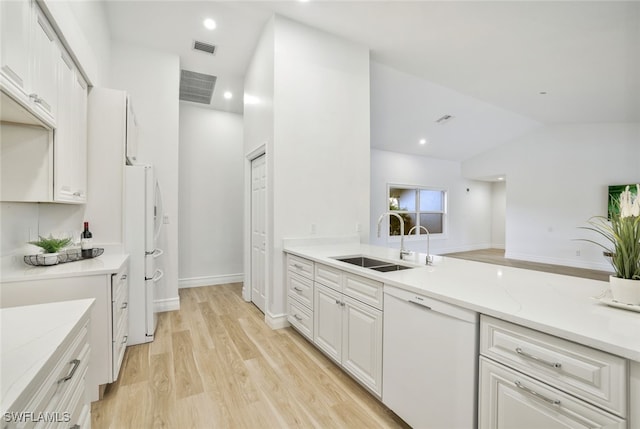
{"x":585,"y":55}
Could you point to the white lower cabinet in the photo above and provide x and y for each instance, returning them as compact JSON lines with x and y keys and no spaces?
{"x":109,"y":315}
{"x":512,"y":400}
{"x":529,"y":379}
{"x":350,"y":333}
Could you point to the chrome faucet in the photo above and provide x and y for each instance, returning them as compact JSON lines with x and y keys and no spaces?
{"x":402,"y":249}
{"x":429,"y":259}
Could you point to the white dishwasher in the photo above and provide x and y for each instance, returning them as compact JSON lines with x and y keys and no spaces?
{"x":430,"y":361}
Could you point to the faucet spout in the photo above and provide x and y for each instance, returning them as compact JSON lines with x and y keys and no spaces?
{"x":382,"y":216}
{"x":429,"y":259}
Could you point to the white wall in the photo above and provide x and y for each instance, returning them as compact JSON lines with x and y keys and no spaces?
{"x":498,"y":213}
{"x":318,"y":161}
{"x":152,"y":78}
{"x":469,"y":213}
{"x":557,"y":179}
{"x":211,"y":196}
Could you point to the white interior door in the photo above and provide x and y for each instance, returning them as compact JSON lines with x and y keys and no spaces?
{"x":258,"y":231}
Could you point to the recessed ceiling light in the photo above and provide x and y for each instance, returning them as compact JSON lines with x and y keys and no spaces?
{"x":228,"y":95}
{"x":209,"y":23}
{"x":423,"y":141}
{"x":500,"y":178}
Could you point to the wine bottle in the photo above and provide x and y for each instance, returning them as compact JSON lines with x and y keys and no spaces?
{"x":86,"y":241}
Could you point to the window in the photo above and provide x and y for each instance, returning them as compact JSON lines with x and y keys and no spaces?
{"x":419,"y":207}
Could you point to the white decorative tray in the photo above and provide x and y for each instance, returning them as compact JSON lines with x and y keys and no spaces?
{"x":606,"y":298}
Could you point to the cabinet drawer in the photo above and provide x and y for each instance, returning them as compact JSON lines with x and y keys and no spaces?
{"x":120,"y":283}
{"x":64,"y":373}
{"x":119,"y":345}
{"x":511,"y":400}
{"x":328,"y":276}
{"x":300,"y":318}
{"x":120,"y":306}
{"x":300,"y":266}
{"x":363,"y":289}
{"x":592,"y":375}
{"x":301,"y":288}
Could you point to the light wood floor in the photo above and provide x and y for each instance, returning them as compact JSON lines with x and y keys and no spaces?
{"x":496,"y":256}
{"x":215,"y":364}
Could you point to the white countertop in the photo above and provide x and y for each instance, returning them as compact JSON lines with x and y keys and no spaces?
{"x":556,"y":304}
{"x":15,"y":270}
{"x":30,"y":336}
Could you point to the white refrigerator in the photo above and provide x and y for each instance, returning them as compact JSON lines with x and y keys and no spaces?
{"x":142,"y":225}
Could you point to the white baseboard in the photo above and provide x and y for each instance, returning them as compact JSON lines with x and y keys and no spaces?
{"x":210,"y":280}
{"x":276,"y":321}
{"x":169,"y":304}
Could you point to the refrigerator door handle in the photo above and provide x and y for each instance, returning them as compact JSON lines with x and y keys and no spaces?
{"x":157,"y":275}
{"x":155,"y":253}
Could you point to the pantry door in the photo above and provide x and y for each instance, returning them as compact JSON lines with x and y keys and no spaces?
{"x":258,"y":231}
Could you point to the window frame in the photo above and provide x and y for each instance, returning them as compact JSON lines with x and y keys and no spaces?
{"x":417,"y":212}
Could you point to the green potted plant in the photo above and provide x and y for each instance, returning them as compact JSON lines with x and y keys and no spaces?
{"x":51,"y":247}
{"x":622,"y":232}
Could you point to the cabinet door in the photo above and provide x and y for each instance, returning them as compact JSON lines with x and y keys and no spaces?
{"x":327,"y":326}
{"x":70,"y":144}
{"x":362,"y":343}
{"x":510,"y":400}
{"x":15,"y":17}
{"x":44,"y":85}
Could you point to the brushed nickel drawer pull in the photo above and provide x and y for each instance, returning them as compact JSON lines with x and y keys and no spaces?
{"x":536,"y":394}
{"x":297,"y":289}
{"x":298,"y":266}
{"x":537,"y":359}
{"x":124,"y":339}
{"x":298,"y":318}
{"x":124,"y":277}
{"x":125,"y":305}
{"x":76,"y":364}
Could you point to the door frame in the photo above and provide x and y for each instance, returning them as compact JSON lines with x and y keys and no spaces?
{"x":246,"y":287}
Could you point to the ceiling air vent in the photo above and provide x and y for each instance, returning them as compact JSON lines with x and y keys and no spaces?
{"x":444,"y":119}
{"x":204,"y":47}
{"x":196,"y":87}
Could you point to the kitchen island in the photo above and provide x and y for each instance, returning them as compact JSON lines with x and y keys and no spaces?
{"x":44,"y":359}
{"x":561,"y":306}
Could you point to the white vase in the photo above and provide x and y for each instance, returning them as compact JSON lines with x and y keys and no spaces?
{"x":626,"y":291}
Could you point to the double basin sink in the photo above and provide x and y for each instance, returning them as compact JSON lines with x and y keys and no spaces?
{"x":374,"y":264}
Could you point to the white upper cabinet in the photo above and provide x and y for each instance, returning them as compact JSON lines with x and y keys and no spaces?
{"x":44,"y":82}
{"x":29,"y":57}
{"x":40,"y":86}
{"x":16,"y":19}
{"x":70,"y":141}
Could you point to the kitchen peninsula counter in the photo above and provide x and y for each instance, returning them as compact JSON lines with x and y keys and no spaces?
{"x":559,"y":305}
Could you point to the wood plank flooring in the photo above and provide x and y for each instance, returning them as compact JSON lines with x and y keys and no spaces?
{"x":496,"y":256}
{"x":216,"y":364}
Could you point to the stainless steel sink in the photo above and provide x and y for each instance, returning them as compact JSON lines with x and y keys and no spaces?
{"x":395,"y":267}
{"x":374,"y":264}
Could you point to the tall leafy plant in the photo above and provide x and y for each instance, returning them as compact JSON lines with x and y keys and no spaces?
{"x":622,"y":232}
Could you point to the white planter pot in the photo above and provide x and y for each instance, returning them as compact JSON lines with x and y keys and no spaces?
{"x":626,"y":291}
{"x":48,"y":258}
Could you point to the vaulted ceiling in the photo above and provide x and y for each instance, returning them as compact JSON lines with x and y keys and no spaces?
{"x":535,"y":62}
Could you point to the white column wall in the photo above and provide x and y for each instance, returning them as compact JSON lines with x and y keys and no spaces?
{"x":152,"y":78}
